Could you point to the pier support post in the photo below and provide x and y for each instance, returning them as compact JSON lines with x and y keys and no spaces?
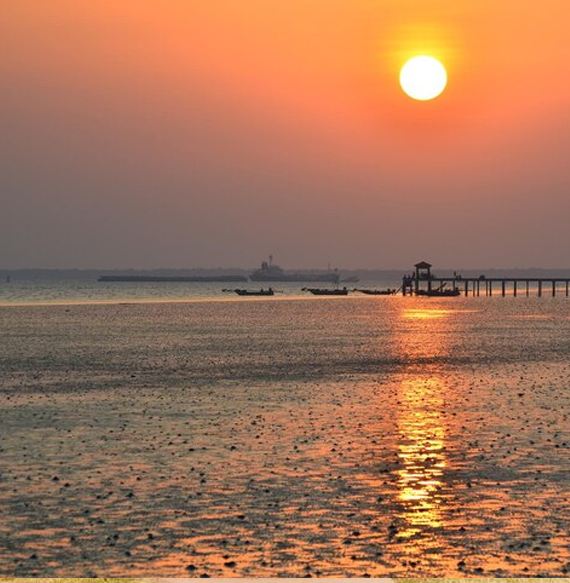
{"x":490,"y":288}
{"x":553,"y":289}
{"x":503,"y":287}
{"x":540,"y":288}
{"x":527,"y":288}
{"x":466,"y":288}
{"x":515,"y":288}
{"x":566,"y":288}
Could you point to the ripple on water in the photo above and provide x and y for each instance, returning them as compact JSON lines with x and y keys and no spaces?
{"x":339,"y":438}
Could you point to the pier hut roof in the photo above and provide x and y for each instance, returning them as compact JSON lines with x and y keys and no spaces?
{"x":423,"y":265}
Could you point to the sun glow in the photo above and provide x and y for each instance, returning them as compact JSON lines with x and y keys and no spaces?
{"x":423,"y":78}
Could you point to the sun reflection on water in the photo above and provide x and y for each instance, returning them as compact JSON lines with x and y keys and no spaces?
{"x":425,"y":314}
{"x":421,"y":451}
{"x":421,"y":448}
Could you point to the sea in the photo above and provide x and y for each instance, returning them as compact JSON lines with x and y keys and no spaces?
{"x":76,"y":286}
{"x":45,"y":286}
{"x":177,"y":430}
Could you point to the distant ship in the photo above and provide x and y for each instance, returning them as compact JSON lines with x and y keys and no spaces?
{"x":270,"y":272}
{"x":172,"y":278}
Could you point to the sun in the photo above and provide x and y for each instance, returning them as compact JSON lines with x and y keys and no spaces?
{"x":423,"y":78}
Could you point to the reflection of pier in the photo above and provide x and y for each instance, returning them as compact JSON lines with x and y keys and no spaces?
{"x":423,"y":282}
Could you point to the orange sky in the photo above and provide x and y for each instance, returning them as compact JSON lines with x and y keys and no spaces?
{"x":185,"y":132}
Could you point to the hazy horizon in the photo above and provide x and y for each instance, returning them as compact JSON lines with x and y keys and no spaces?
{"x":212,"y":133}
{"x":238,"y":269}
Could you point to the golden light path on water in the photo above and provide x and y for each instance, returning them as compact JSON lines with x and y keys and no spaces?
{"x":422,"y":453}
{"x":420,"y":424}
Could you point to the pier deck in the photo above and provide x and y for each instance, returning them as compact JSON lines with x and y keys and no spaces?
{"x":424,"y":279}
{"x":476,"y":286}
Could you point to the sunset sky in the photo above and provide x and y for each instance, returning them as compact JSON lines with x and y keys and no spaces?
{"x":180,"y":133}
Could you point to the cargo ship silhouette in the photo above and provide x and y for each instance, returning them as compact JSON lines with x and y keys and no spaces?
{"x":271,"y":272}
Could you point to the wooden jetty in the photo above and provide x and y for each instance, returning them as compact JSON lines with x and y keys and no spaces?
{"x":423,"y":280}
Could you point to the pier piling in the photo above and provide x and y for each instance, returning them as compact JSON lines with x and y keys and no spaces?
{"x":423,"y":282}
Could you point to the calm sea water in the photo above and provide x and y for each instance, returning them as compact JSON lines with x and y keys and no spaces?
{"x":345,"y":436}
{"x":53,"y":287}
{"x":85,"y":288}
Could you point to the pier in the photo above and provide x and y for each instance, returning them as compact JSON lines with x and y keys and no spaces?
{"x":423,"y":282}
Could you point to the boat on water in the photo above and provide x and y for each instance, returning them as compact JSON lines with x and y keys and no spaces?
{"x":377,"y":292}
{"x":326,"y":292}
{"x":439,"y":293}
{"x":351,"y":279}
{"x":271,"y":272}
{"x":249,"y":292}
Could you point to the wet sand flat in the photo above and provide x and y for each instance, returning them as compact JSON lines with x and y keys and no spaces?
{"x":378,"y":436}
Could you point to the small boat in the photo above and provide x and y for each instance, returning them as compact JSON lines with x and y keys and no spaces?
{"x":326,"y":292}
{"x":377,"y":292}
{"x":351,"y":279}
{"x":439,"y":293}
{"x":247,"y":292}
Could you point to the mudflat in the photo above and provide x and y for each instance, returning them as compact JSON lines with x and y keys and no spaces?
{"x":347,"y":437}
